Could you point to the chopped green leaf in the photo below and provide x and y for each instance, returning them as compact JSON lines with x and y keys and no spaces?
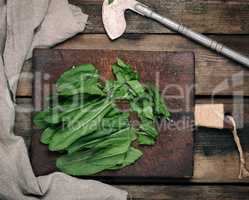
{"x":144,"y":139}
{"x":47,"y":135}
{"x":131,"y":157}
{"x":84,"y":127}
{"x":105,"y":155}
{"x":147,"y":110}
{"x":40,"y":119}
{"x":149,"y":130}
{"x":160,"y":107}
{"x":136,"y":87}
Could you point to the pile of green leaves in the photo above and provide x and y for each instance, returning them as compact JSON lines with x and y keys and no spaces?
{"x":86,"y":125}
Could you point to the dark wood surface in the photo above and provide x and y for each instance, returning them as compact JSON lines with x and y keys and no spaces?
{"x":216,"y":158}
{"x":172,"y":156}
{"x":187,"y":192}
{"x":213,"y":16}
{"x":210,"y":67}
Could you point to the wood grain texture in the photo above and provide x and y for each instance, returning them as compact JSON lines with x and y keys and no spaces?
{"x":172,"y":156}
{"x":186,"y":192}
{"x":218,"y":16}
{"x":216,"y":157}
{"x":215,"y":75}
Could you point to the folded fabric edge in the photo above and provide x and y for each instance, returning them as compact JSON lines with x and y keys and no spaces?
{"x":80,"y":17}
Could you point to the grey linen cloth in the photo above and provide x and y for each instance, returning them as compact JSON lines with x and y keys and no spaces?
{"x":25,"y":24}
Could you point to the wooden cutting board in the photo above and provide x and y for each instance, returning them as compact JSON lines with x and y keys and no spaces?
{"x":172,"y":156}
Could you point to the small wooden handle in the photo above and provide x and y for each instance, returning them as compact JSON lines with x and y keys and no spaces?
{"x":211,"y":116}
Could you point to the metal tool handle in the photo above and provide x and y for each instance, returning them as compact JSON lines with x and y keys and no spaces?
{"x":202,"y":39}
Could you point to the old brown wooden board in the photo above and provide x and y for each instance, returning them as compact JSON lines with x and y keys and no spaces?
{"x":172,"y":156}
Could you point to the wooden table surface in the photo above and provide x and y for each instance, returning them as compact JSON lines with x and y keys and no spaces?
{"x":218,"y":80}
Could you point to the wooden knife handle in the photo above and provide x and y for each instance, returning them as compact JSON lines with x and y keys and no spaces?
{"x":211,"y":116}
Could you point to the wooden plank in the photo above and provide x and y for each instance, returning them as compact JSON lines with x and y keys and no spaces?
{"x":216,"y":158}
{"x":186,"y":192}
{"x":24,"y":87}
{"x":217,"y":16}
{"x":215,"y":75}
